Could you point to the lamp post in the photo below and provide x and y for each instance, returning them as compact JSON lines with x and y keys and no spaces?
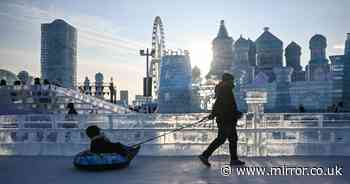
{"x":147,"y":54}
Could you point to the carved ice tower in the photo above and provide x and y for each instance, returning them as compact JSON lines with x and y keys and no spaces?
{"x":175,"y":83}
{"x":318,"y":67}
{"x":222,"y":53}
{"x":269,"y":53}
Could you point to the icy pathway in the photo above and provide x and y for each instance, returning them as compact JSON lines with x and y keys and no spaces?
{"x":154,"y":170}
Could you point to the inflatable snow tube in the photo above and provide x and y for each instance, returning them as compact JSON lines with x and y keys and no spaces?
{"x":104,"y":161}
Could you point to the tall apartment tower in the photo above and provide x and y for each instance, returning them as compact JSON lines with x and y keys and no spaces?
{"x":347,"y":45}
{"x":59,"y":53}
{"x":340,"y":73}
{"x":346,"y":71}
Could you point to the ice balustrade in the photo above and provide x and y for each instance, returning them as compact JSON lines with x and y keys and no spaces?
{"x":23,"y":95}
{"x":273,"y":134}
{"x":93,"y":100}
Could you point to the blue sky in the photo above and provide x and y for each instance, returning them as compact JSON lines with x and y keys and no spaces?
{"x":110,"y":32}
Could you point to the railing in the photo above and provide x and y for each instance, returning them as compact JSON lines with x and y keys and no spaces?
{"x":48,"y":94}
{"x":93,"y":100}
{"x":266,"y":134}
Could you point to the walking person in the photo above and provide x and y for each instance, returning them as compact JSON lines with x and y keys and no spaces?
{"x":226,"y":114}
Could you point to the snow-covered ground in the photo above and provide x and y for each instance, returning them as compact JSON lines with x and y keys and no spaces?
{"x":154,"y":170}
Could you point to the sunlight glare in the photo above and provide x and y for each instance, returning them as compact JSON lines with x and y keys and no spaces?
{"x":201,"y":56}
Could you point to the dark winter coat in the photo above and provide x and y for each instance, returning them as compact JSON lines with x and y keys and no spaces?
{"x":100,"y":144}
{"x":225,"y":108}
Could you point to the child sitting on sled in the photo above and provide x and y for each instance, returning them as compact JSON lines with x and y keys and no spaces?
{"x":101,"y":144}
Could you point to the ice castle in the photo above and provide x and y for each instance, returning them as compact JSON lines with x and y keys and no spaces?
{"x":258,"y":66}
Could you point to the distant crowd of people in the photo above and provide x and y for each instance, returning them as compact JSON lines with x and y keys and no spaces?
{"x":37,"y":81}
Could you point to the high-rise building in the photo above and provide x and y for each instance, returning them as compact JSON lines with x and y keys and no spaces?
{"x":269,"y":53}
{"x":347,"y":45}
{"x":346,"y":82}
{"x":59,"y":53}
{"x":340,"y":69}
{"x":222,"y":53}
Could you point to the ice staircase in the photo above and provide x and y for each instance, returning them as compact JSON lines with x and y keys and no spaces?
{"x":51,"y":99}
{"x":95,"y":102}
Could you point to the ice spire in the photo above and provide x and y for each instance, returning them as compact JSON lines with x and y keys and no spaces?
{"x":222,"y":30}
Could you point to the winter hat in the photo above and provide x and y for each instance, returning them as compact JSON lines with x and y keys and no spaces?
{"x":227,"y":76}
{"x":92,"y":131}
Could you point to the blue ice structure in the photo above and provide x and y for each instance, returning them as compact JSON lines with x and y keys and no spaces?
{"x":175,"y":83}
{"x":258,"y":66}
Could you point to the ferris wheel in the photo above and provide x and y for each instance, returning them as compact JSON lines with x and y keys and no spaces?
{"x":158,"y":49}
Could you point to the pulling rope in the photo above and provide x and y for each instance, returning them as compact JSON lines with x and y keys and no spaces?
{"x":171,"y":131}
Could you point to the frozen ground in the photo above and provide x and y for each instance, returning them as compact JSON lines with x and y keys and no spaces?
{"x":154,"y":170}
